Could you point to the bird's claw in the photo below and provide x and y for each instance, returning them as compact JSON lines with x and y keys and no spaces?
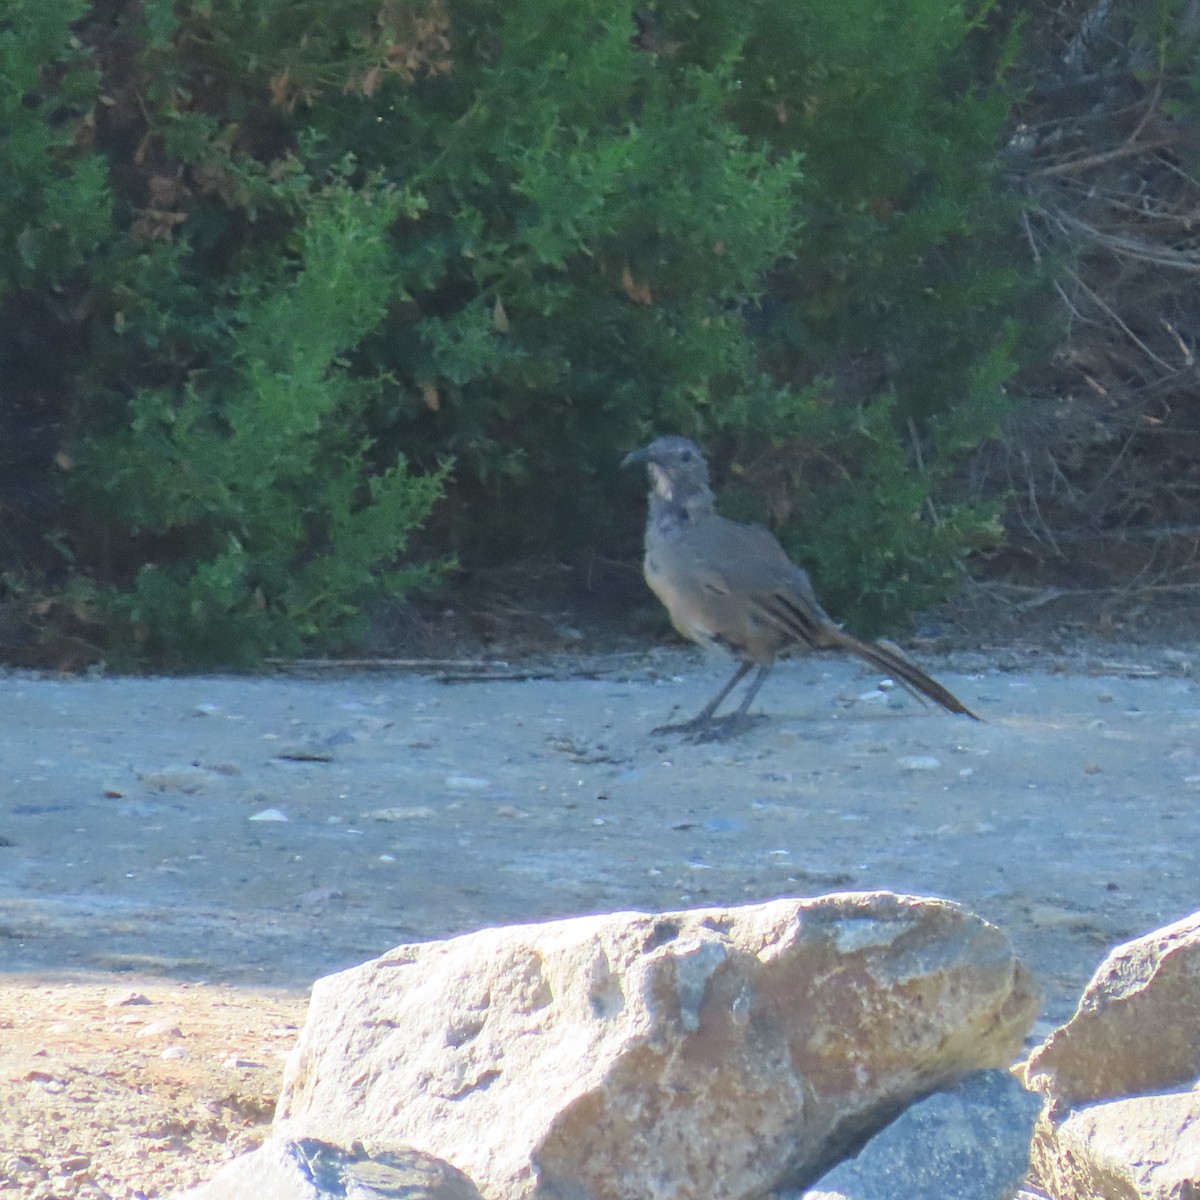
{"x":713,"y":729}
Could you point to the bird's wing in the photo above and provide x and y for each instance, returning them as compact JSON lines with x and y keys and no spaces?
{"x":756,"y":594}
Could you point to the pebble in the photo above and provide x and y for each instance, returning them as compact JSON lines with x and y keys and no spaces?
{"x":467,"y":783}
{"x":268,"y":814}
{"x":418,"y":812}
{"x":126,"y":998}
{"x":163,"y":1028}
{"x":304,"y":754}
{"x":722,"y":825}
{"x":188,"y":780}
{"x":919,"y":762}
{"x":241,"y":1064}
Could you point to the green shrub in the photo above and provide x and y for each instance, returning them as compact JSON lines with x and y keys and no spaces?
{"x":595,"y":223}
{"x":769,"y":224}
{"x":54,"y":200}
{"x":514,"y":239}
{"x":249,"y":481}
{"x":898,"y":317}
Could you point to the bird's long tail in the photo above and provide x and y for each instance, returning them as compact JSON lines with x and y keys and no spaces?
{"x":802,"y":619}
{"x":888,"y":658}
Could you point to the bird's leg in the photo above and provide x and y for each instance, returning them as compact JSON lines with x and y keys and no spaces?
{"x":704,"y":717}
{"x":737,"y":722}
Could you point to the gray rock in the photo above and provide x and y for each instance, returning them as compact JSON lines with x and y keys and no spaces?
{"x":971,"y":1143}
{"x":680,"y":1056}
{"x":283,"y":1169}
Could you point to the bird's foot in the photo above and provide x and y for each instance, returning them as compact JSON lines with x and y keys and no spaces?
{"x":684,"y":727}
{"x":724,"y":729}
{"x":713,"y":729}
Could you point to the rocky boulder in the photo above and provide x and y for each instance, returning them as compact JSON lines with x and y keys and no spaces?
{"x":1121,"y":1116}
{"x":284,"y":1169}
{"x":970,"y":1143}
{"x":684,"y":1056}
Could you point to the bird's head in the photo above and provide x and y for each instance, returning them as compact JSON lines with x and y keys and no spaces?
{"x":677,"y":470}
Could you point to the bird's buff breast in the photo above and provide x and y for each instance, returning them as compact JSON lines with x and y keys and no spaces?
{"x":685,"y":616}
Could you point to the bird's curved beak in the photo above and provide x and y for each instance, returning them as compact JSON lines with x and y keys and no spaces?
{"x":638,"y":457}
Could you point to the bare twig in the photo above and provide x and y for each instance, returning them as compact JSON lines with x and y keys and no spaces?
{"x":1088,"y":161}
{"x":1116,"y":320}
{"x":388,"y":664}
{"x":1137,"y":248}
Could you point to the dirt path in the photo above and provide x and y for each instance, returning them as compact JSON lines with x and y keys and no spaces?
{"x":147,"y":844}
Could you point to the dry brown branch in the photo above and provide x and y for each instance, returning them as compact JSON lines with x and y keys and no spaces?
{"x":1137,"y":248}
{"x":1103,"y":467}
{"x":1090,"y":161}
{"x":1104,"y":307}
{"x":388,"y":664}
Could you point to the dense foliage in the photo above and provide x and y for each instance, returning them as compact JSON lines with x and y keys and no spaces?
{"x":315,"y":264}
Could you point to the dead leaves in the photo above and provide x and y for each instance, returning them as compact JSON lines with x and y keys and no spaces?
{"x":638,"y":293}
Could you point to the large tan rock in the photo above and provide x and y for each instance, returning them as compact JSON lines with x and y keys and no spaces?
{"x":685,"y":1056}
{"x":1137,"y":1028}
{"x":1120,"y":1120}
{"x":1143,"y":1148}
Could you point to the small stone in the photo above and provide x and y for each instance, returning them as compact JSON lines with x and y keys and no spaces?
{"x":416,"y":812}
{"x":229,"y":770}
{"x":189,"y":780}
{"x":308,"y":1169}
{"x":238,"y":1063}
{"x":48,"y":1083}
{"x":18,"y":1164}
{"x":1051,"y":916}
{"x":919,"y":762}
{"x":127,"y":998}
{"x":268,"y":814}
{"x":163,"y":1028}
{"x":305,"y":754}
{"x":722,"y":825}
{"x":467,"y":783}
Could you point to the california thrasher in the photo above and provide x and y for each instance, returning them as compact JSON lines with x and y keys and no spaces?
{"x":732,"y":586}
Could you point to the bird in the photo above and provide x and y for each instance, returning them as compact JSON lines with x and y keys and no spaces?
{"x":732,"y":586}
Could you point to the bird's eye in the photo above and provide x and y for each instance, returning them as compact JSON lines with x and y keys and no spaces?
{"x":686,"y":456}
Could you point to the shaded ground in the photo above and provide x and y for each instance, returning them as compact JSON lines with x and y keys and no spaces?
{"x":420,"y":804}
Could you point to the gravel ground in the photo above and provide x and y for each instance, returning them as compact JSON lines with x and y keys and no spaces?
{"x":213,"y":844}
